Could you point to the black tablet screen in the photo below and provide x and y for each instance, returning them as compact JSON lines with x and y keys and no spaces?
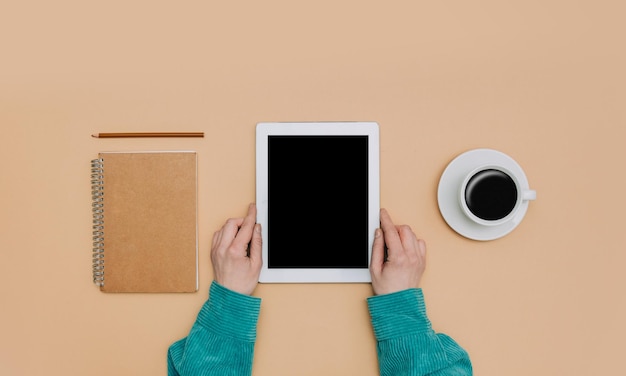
{"x":317,"y":202}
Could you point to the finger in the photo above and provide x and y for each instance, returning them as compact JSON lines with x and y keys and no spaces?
{"x":416,"y":245}
{"x":422,"y":247}
{"x":256,"y":245}
{"x":245,"y":232}
{"x":216,"y":236}
{"x":407,"y":237}
{"x":229,"y":231}
{"x":216,"y":239}
{"x":378,"y":252}
{"x":391,"y":236}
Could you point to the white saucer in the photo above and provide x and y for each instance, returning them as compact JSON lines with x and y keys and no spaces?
{"x":450,"y":183}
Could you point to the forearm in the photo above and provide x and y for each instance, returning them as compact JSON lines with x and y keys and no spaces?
{"x":221,"y":341}
{"x":406,"y":343}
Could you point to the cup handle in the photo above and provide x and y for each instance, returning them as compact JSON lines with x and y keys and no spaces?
{"x":529,"y":195}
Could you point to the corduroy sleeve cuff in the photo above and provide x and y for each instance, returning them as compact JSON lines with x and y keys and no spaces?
{"x":398,"y":314}
{"x":230,"y":314}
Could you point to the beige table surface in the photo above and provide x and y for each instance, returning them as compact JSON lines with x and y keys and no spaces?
{"x":543,"y":81}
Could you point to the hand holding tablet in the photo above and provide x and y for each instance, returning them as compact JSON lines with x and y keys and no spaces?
{"x":236,"y":253}
{"x":397,"y":263}
{"x":403,"y":265}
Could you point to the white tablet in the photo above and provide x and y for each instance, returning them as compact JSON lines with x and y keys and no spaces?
{"x":317,"y":188}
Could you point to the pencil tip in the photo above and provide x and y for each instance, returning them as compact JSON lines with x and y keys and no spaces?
{"x":94,"y":135}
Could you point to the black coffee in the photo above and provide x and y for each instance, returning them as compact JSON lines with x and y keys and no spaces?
{"x":491,"y":194}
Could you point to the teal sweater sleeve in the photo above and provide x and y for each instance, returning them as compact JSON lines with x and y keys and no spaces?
{"x":221,"y":341}
{"x":406,"y":342}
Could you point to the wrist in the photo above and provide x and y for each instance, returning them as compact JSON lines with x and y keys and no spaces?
{"x":398,"y":313}
{"x":230,"y":313}
{"x":390,"y":288}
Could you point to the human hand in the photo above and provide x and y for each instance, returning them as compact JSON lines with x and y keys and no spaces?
{"x":236,"y":253}
{"x":406,"y":257}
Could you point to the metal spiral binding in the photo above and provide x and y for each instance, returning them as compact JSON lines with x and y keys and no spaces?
{"x":97,"y":207}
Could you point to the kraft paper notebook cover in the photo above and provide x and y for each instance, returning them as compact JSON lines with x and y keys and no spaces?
{"x":145,"y":221}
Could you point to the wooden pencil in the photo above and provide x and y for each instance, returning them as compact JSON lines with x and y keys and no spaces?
{"x":148,"y":134}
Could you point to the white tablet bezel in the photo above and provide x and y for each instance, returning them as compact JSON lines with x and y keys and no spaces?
{"x":317,"y":275}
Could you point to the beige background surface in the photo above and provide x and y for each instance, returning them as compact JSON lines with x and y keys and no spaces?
{"x":543,"y":81}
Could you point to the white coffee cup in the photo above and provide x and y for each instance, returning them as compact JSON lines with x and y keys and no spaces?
{"x":492,"y":195}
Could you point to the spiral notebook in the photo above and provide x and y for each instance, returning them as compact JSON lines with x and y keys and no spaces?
{"x":145,"y":221}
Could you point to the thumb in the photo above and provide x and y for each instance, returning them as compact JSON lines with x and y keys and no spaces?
{"x":256,"y":245}
{"x":378,"y":252}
